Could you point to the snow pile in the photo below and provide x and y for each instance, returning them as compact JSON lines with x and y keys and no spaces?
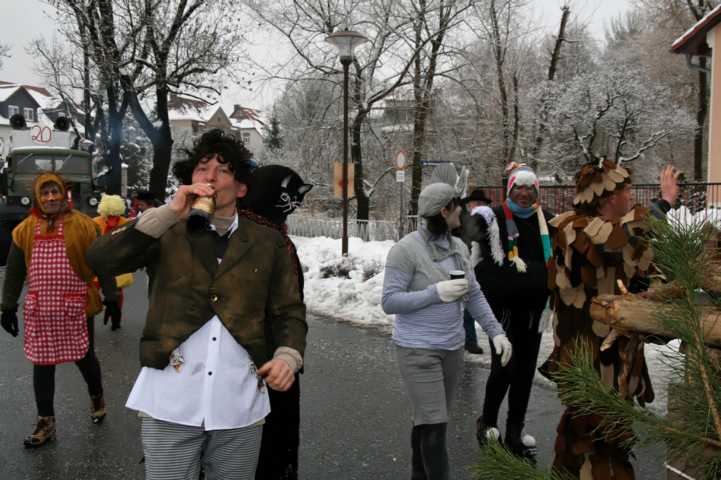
{"x":683,"y":216}
{"x":347,"y":289}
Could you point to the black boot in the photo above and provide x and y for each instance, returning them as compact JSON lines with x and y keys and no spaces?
{"x":524,"y":448}
{"x":434,"y":451}
{"x":418,"y":472}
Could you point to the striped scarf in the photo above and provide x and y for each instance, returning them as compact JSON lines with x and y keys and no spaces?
{"x":512,"y":229}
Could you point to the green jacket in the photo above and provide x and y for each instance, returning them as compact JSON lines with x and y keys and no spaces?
{"x":255,"y":283}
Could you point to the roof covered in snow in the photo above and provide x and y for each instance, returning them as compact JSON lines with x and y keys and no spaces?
{"x":693,"y":42}
{"x":186,"y":108}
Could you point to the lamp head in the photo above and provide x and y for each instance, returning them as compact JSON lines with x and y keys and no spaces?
{"x":346,"y":42}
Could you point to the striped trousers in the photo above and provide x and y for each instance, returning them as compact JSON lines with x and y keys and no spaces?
{"x":176,"y":452}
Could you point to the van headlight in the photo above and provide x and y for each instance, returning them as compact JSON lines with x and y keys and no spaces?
{"x":25,"y":201}
{"x":93,"y":202}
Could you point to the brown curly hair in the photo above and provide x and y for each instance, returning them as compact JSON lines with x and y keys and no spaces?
{"x":229,"y":150}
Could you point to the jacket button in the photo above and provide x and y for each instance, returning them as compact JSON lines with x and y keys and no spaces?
{"x":214,"y":298}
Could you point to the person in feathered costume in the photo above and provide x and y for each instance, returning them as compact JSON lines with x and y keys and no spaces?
{"x":111,"y":209}
{"x":599,"y":245}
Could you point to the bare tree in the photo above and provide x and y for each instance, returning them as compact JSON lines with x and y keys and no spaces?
{"x":618,"y":114}
{"x":110,"y":35}
{"x":555,"y":56}
{"x":433,"y":24}
{"x":380,"y":69}
{"x":142,"y":51}
{"x":185,"y":43}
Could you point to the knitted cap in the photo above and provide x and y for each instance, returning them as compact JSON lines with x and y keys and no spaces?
{"x":522,"y":175}
{"x":434,"y":197}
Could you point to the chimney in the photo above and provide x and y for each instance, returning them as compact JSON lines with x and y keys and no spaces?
{"x":237,"y":111}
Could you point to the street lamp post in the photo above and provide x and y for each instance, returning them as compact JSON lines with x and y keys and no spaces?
{"x":345,"y":42}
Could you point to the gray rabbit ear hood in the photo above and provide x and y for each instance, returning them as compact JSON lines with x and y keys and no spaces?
{"x":434,"y":197}
{"x":445,"y":173}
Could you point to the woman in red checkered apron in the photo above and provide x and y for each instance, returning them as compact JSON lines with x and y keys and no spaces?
{"x":48,"y":251}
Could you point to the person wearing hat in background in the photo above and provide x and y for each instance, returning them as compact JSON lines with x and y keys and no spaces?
{"x":510,"y":247}
{"x":111,"y":209}
{"x":48,"y":250}
{"x":476,"y":199}
{"x":428,"y":329}
{"x":141,"y":201}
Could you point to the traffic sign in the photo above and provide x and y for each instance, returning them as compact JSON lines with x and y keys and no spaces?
{"x":400,"y":176}
{"x":400,"y":159}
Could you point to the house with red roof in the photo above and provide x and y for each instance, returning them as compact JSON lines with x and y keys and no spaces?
{"x":190,"y":117}
{"x":704,"y":39}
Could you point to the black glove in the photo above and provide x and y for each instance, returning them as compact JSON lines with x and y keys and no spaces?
{"x":112,"y":312}
{"x":10,"y":322}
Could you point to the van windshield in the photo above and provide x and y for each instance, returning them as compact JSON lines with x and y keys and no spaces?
{"x":33,"y":163}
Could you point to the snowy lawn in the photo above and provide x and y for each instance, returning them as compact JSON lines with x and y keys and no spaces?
{"x":350,"y":290}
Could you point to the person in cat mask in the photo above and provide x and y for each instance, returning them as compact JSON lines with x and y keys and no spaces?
{"x":275,"y":192}
{"x":48,"y":250}
{"x":205,"y":354}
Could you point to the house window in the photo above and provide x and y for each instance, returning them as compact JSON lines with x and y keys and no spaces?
{"x":12,"y":110}
{"x":29,"y":114}
{"x":246,"y":138}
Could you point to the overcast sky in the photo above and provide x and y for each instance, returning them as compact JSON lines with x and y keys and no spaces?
{"x":24,"y":20}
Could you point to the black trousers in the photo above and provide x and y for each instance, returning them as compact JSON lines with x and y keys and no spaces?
{"x":44,"y":377}
{"x":516,"y":378}
{"x":281,"y":436}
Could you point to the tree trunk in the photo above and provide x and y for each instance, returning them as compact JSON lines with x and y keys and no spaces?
{"x":162,"y":153}
{"x":701,"y":114}
{"x":419,"y":140}
{"x":552,"y":68}
{"x":498,"y":56}
{"x":162,"y":145}
{"x":362,"y":201}
{"x":115,"y":120}
{"x":634,"y":314}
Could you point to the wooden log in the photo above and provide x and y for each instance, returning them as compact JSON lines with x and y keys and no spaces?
{"x":630,"y":313}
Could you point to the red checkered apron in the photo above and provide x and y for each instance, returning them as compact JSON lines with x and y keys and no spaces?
{"x":54,"y":311}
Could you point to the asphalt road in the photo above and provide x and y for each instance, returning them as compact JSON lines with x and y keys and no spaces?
{"x":355,"y":414}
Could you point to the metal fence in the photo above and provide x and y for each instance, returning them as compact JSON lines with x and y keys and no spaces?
{"x":368,"y":230}
{"x":554,"y":198}
{"x":559,"y":198}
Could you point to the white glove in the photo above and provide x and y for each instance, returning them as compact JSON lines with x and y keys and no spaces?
{"x":475,"y":254}
{"x":451,"y":290}
{"x":503,"y":348}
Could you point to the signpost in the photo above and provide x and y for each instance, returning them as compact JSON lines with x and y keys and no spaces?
{"x":400,"y":164}
{"x":338,"y":179}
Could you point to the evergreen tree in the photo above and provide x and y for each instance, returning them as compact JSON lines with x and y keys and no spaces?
{"x":273,"y":140}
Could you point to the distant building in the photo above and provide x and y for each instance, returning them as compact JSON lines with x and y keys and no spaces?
{"x":190,"y":118}
{"x":704,"y":39}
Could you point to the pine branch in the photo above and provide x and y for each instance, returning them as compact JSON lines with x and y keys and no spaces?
{"x":497,"y":463}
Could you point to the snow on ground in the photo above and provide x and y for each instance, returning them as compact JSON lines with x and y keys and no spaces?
{"x":356,"y":299}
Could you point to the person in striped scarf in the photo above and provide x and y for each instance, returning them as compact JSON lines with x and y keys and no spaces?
{"x":510,"y":247}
